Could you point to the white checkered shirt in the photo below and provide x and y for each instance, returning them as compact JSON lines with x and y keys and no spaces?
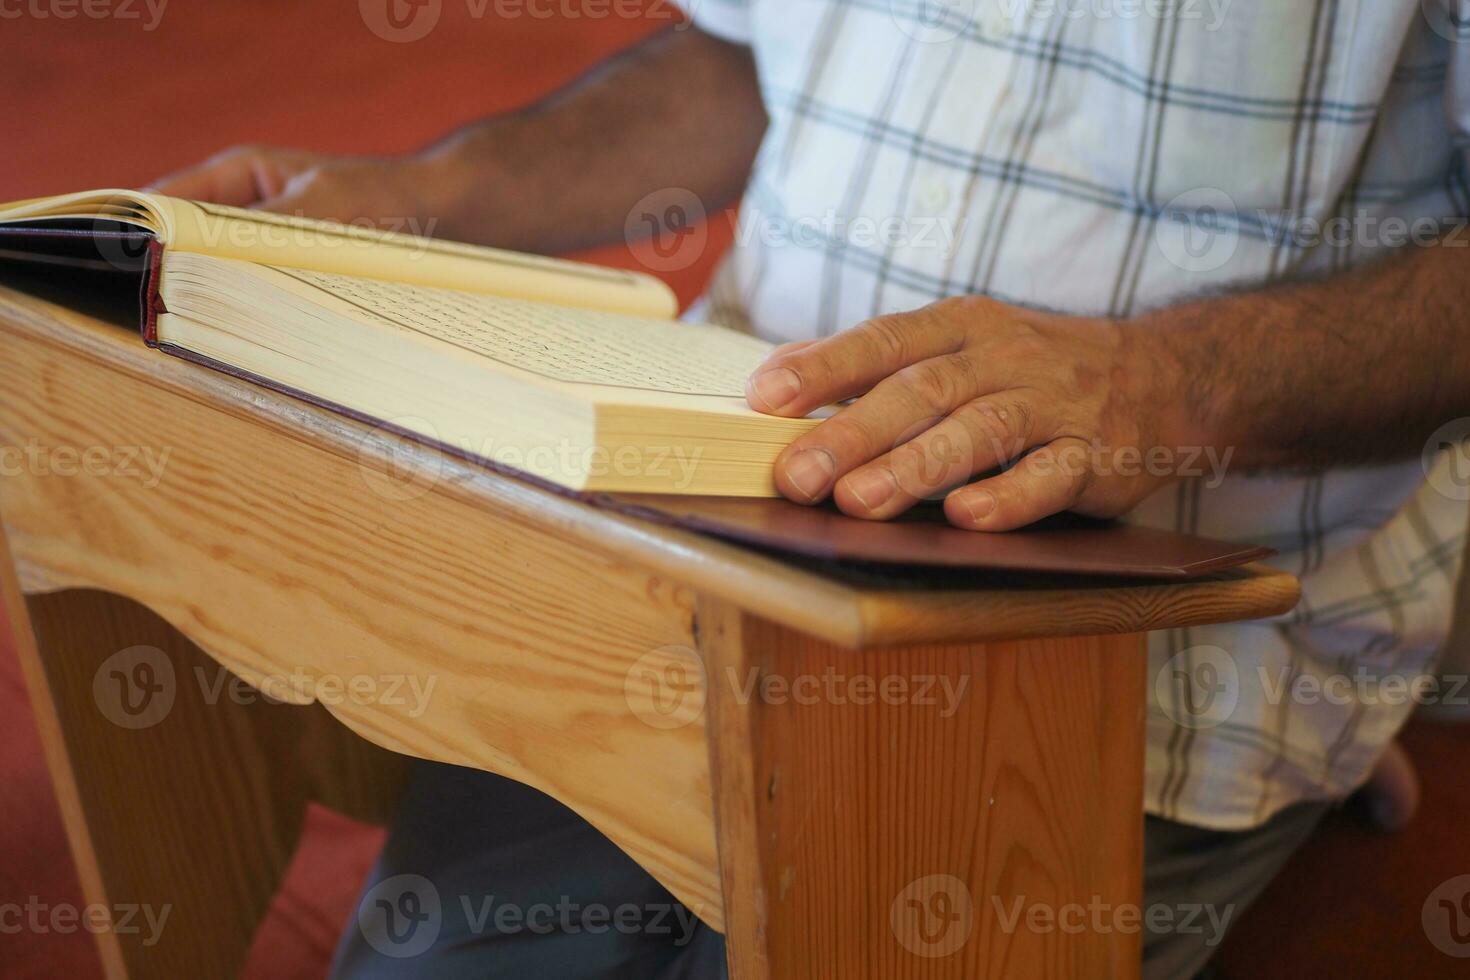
{"x":1106,"y":157}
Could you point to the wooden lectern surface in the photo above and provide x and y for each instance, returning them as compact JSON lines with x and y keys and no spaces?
{"x":833,"y":602}
{"x":288,"y":542}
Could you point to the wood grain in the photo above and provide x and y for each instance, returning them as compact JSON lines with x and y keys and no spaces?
{"x":278,"y":558}
{"x":66,"y":779}
{"x":848,"y":609}
{"x":903,"y":838}
{"x":196,"y":812}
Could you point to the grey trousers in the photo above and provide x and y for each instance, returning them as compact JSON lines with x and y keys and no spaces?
{"x":485,"y":878}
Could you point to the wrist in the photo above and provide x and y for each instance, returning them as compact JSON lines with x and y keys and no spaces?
{"x":445,"y":186}
{"x":1183,"y":395}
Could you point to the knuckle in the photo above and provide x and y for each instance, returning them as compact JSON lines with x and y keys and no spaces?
{"x":1030,"y":350}
{"x":925,"y":465}
{"x":982,"y":422}
{"x":1023,"y":419}
{"x":934,"y":382}
{"x":890,"y":336}
{"x":1066,"y":463}
{"x":967,"y":307}
{"x":1006,"y":426}
{"x":850,"y":436}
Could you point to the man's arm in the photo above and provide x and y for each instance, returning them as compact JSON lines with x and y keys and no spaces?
{"x":680,"y":110}
{"x":1099,"y":413}
{"x":1357,"y":369}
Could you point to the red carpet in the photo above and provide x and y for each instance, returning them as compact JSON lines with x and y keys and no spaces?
{"x":105,"y":103}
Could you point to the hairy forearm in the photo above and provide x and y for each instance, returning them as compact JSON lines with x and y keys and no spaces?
{"x":681,"y":110}
{"x":1357,"y":369}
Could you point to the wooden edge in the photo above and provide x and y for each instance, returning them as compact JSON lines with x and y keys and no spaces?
{"x":58,"y":759}
{"x":848,"y":614}
{"x":1254,"y":591}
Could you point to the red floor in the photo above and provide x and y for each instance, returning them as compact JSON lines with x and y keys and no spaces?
{"x":105,"y":103}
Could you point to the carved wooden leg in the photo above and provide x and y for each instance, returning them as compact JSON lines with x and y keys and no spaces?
{"x":182,"y":790}
{"x":191,"y":808}
{"x":956,"y":812}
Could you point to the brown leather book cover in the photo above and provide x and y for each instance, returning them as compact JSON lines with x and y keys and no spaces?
{"x":1065,"y":544}
{"x":1061,"y":545}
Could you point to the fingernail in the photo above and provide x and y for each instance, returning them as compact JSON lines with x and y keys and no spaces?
{"x":978,"y":504}
{"x":872,"y":487}
{"x":809,"y":471}
{"x":776,"y":388}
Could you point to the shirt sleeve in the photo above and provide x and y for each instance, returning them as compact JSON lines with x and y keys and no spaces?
{"x":728,"y":20}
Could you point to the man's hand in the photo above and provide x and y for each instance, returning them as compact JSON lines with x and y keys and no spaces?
{"x":316,"y":185}
{"x":558,"y":176}
{"x":965,"y":387}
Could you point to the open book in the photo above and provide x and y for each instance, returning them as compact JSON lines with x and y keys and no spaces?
{"x":571,"y":373}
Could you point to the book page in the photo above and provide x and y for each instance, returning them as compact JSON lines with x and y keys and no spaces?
{"x":355,"y":250}
{"x":560,"y":343}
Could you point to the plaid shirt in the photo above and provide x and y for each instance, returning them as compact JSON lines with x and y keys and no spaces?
{"x":1109,"y":156}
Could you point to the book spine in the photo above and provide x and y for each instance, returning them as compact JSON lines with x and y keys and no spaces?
{"x":150,"y":304}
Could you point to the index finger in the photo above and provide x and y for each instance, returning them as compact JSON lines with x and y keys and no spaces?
{"x":795,"y":382}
